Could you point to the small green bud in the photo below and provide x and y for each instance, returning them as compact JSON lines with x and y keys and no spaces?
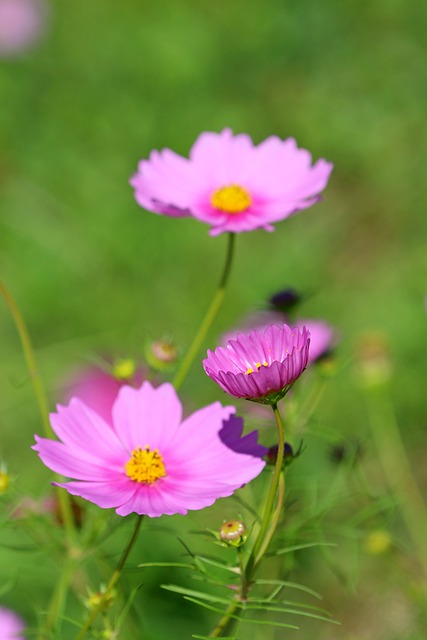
{"x":233,"y":533}
{"x":95,"y":598}
{"x":161,"y":354}
{"x":124,"y":369}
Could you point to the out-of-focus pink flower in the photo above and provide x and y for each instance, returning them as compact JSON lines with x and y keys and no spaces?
{"x":21,"y":24}
{"x":11,"y":625}
{"x":322,"y":338}
{"x":322,"y":334}
{"x":230,"y":183}
{"x":147,"y":461}
{"x":262,"y":365}
{"x":98,"y":389}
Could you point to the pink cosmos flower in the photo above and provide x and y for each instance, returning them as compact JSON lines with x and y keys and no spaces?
{"x":21,"y":24}
{"x":322,"y":338}
{"x":230,"y":183}
{"x":262,"y":365}
{"x":148,"y":461}
{"x":11,"y":625}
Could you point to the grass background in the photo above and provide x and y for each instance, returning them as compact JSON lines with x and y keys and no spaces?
{"x":91,"y":271}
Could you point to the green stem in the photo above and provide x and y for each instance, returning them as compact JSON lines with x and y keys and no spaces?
{"x":63,"y":498}
{"x":274,"y":520}
{"x":36,"y":380}
{"x":209,"y":317}
{"x":28,"y":350}
{"x":255,"y":556}
{"x":57,"y":604}
{"x":113,"y":580}
{"x":269,"y":524}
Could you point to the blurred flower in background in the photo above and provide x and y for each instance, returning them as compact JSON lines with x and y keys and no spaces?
{"x":11,"y":625}
{"x":98,"y":388}
{"x":22,"y":23}
{"x":230,"y":183}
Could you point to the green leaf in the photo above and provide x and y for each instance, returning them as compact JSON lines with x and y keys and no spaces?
{"x":296,"y":612}
{"x":298,"y":547}
{"x":222,"y":638}
{"x":291,"y":585}
{"x":184,"y":565}
{"x":271,"y":623}
{"x":291,"y":603}
{"x":198,"y":594}
{"x":219,"y":564}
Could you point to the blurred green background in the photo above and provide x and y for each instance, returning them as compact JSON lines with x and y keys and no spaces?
{"x":92,"y":272}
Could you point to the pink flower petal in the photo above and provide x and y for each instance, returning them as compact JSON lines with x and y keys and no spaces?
{"x":198,"y":465}
{"x":278,"y":177}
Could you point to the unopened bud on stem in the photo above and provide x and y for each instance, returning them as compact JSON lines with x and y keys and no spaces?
{"x":233,"y":532}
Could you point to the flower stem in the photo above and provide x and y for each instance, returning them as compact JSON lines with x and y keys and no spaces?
{"x":269,"y":524}
{"x":259,"y":545}
{"x":209,"y":317}
{"x":27,"y":348}
{"x":113,"y":580}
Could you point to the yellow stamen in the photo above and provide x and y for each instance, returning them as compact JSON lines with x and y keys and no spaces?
{"x":145,"y":466}
{"x":231,"y":199}
{"x":258,"y":366}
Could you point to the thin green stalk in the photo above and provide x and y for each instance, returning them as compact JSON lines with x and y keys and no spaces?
{"x":269,"y":523}
{"x":28,"y":350}
{"x":57,"y":604}
{"x":36,"y":380}
{"x":63,"y":498}
{"x":255,"y":557}
{"x":209,"y":317}
{"x":274,"y":520}
{"x":113,"y":580}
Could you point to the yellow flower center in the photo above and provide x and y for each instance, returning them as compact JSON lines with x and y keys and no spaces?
{"x":145,"y":466}
{"x":231,"y":199}
{"x":257,"y":366}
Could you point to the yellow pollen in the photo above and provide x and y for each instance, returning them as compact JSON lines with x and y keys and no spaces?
{"x":145,"y":466}
{"x":231,"y":199}
{"x":258,"y":366}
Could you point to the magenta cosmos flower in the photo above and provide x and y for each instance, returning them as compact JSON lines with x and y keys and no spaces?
{"x":262,"y":365}
{"x":148,"y":461}
{"x":11,"y":625}
{"x":230,"y":183}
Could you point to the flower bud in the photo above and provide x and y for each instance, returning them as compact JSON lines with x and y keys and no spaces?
{"x":284,"y":300}
{"x":124,"y":369}
{"x":288,"y":454}
{"x":233,"y":533}
{"x":161,"y":354}
{"x":346,"y":452}
{"x":95,"y":598}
